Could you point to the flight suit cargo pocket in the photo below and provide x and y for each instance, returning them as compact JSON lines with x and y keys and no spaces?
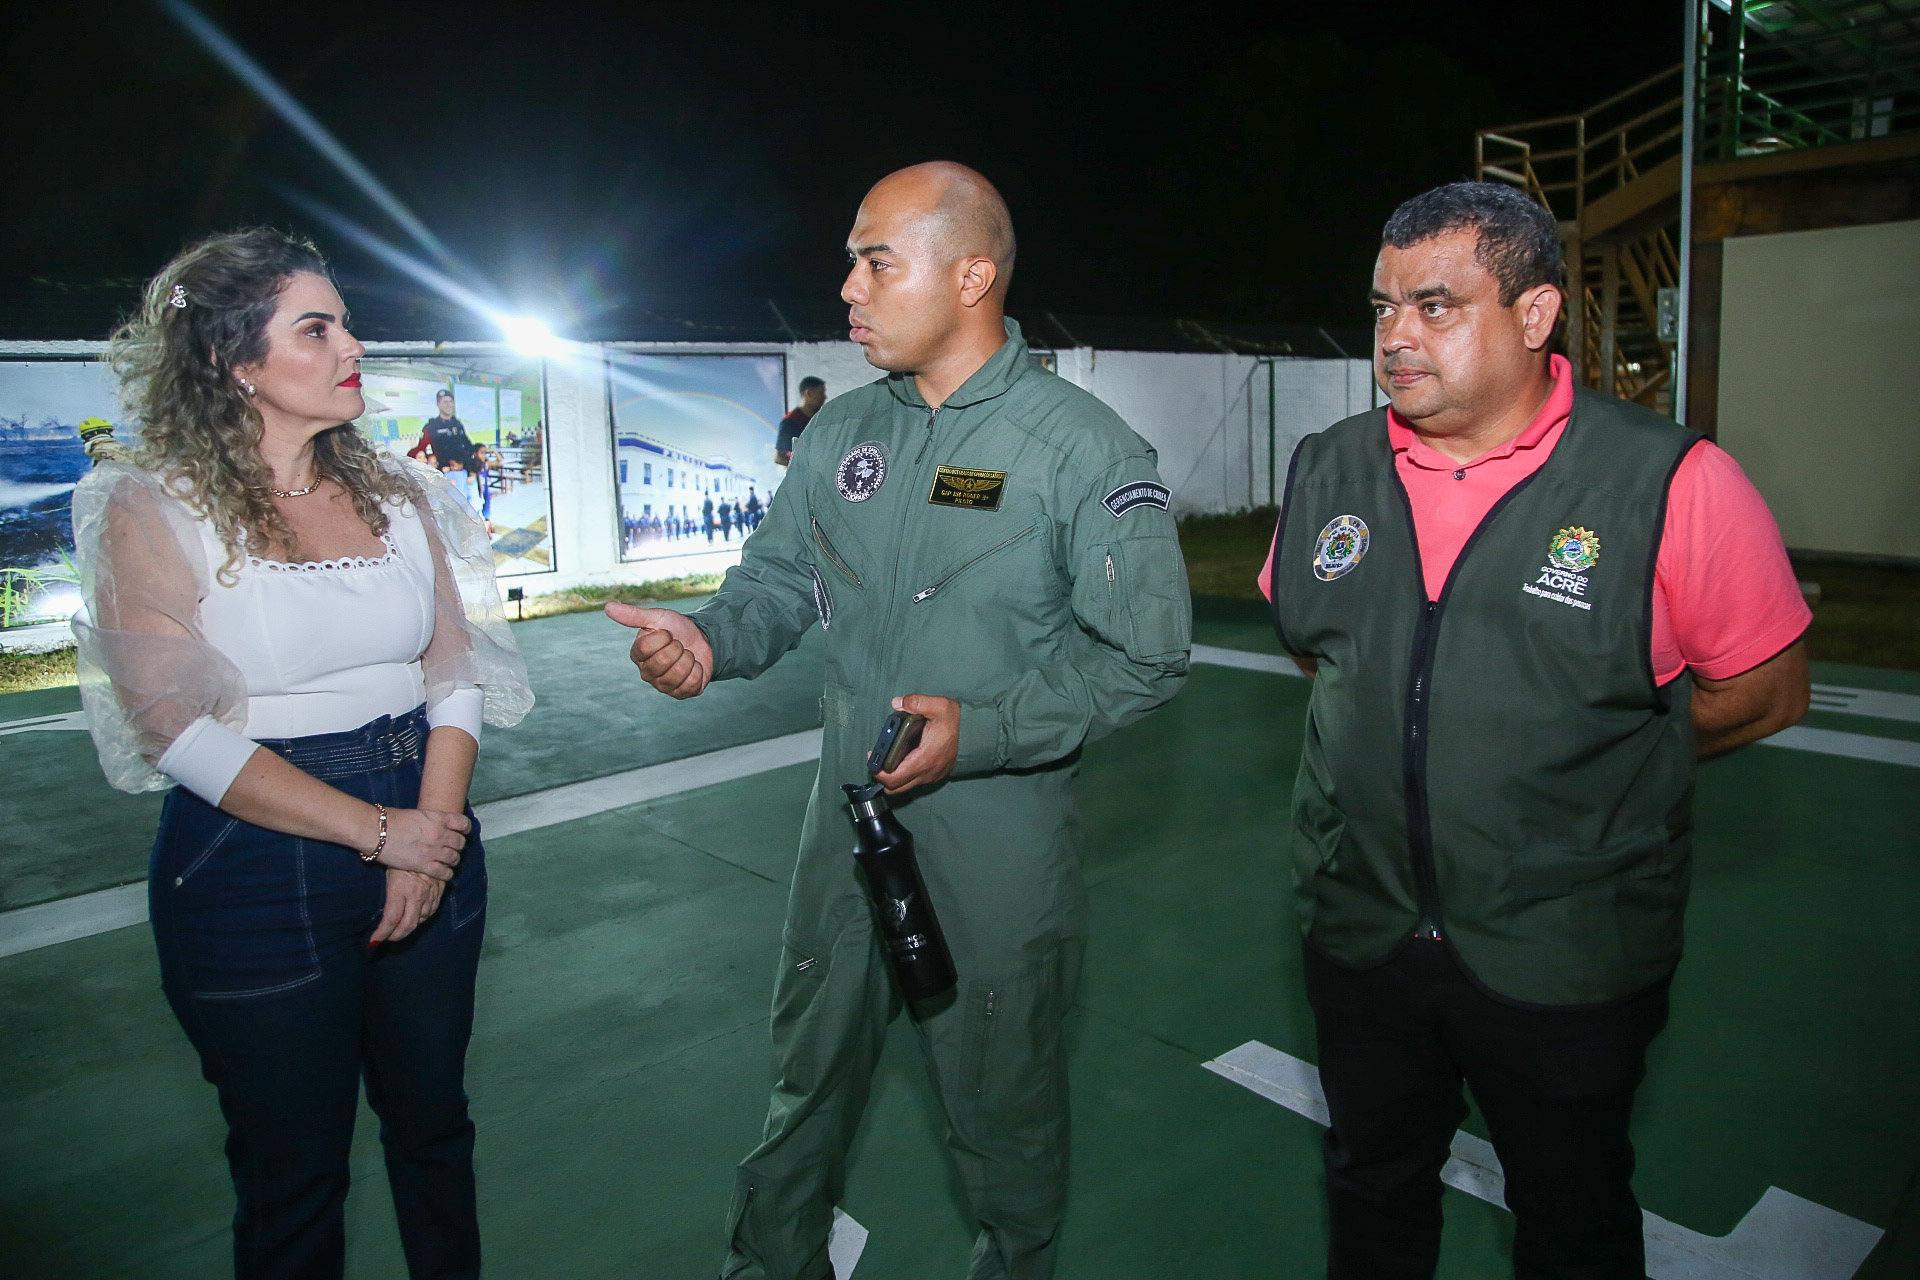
{"x":1554,"y":871}
{"x":799,"y":997}
{"x":1011,"y":1075}
{"x":1149,"y":610}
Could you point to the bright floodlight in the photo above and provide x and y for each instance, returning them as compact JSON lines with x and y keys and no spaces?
{"x":531,"y":337}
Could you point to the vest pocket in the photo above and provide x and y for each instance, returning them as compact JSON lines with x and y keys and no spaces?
{"x":1317,"y":830}
{"x":1553,"y":871}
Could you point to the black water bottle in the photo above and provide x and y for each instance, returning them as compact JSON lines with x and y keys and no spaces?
{"x":911,"y":932}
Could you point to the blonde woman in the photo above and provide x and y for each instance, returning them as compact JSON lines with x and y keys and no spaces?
{"x":306,"y":638}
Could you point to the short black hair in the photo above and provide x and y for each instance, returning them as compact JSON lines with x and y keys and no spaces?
{"x":809,"y":382}
{"x":1519,"y":239}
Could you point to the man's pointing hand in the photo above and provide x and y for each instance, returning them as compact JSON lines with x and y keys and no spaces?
{"x":672,"y":653}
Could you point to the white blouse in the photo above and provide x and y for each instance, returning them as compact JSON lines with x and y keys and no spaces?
{"x":182,"y":673}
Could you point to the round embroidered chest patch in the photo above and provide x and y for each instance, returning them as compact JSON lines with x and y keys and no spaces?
{"x":1339,"y":547}
{"x":861,"y":472}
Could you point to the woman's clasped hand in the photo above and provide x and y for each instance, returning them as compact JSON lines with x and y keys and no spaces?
{"x":423,"y":848}
{"x":424,"y":841}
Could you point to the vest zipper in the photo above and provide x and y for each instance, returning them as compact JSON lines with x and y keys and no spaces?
{"x":1426,"y":880}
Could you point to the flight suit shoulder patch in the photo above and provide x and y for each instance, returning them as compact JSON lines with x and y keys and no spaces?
{"x":1137,"y":493}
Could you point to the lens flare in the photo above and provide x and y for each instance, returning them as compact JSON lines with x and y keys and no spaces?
{"x":531,"y":337}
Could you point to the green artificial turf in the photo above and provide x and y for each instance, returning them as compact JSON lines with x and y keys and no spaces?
{"x":620,"y":1064}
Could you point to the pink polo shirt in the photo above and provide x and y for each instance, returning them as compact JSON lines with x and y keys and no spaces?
{"x":1725,"y":598}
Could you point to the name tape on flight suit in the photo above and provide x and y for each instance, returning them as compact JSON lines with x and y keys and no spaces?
{"x":964,"y":487}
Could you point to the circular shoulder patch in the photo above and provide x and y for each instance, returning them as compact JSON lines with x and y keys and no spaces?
{"x":1339,"y":547}
{"x":861,"y":472}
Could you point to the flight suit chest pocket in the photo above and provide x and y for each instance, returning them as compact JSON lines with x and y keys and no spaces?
{"x":828,"y":550}
{"x":836,"y":570}
{"x":976,"y":556}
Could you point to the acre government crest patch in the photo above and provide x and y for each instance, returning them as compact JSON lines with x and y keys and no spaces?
{"x":1339,"y":547}
{"x":861,"y":472}
{"x":1574,"y":549}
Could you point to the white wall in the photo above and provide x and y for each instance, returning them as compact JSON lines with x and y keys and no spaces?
{"x":1815,"y":367}
{"x":1208,"y":415}
{"x":1205,"y":414}
{"x":843,"y":365}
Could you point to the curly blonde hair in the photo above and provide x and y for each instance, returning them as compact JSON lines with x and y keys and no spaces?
{"x":198,"y":428}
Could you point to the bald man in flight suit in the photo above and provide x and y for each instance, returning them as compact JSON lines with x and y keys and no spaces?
{"x":991,"y":547}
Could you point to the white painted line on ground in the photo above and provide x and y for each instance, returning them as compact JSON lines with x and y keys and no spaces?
{"x":29,"y":928}
{"x":846,"y":1241}
{"x":615,"y":791}
{"x":1827,"y":697}
{"x":1781,"y":1238}
{"x":63,"y":920}
{"x":1855,"y":746}
{"x":1274,"y":663}
{"x":1867,"y":702}
{"x":34,"y":724}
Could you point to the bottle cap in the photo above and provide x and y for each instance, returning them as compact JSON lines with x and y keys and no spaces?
{"x":868,"y":799}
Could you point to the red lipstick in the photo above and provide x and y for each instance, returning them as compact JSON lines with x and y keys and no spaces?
{"x":353,"y":380}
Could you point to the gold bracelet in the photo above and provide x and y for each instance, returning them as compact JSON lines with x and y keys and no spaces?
{"x":373,"y":854}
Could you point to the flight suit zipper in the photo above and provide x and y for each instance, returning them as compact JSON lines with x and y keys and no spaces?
{"x":985,"y":1046}
{"x":933,"y":412}
{"x":1002,"y":545}
{"x":825,"y":544}
{"x":901,"y":543}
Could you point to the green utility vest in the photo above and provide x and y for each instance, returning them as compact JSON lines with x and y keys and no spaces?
{"x":1496,"y":768}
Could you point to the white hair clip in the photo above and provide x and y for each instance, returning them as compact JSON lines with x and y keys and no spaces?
{"x":179,"y":298}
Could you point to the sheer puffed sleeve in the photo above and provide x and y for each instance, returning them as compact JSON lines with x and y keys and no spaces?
{"x":157,"y":695}
{"x":472,"y":658}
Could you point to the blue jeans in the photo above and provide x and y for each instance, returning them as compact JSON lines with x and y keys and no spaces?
{"x":264,"y":957}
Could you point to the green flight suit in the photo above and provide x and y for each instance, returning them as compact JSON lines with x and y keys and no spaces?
{"x":1011,"y":550}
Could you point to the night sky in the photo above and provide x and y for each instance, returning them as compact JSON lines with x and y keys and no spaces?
{"x":1195,"y":160}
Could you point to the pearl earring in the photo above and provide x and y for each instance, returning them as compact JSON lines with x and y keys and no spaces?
{"x":248,"y":385}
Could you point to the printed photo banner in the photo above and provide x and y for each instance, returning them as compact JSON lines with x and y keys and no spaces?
{"x":482,"y":421}
{"x":693,"y":448}
{"x":44,"y":407}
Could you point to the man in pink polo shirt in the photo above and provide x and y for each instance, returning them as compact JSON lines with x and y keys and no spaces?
{"x":1528,"y":610}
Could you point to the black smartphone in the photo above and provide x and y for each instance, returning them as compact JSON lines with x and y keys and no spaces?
{"x":899,"y":735}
